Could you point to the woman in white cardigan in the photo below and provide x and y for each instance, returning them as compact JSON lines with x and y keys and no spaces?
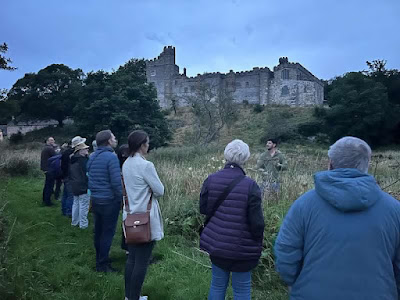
{"x":141,"y":180}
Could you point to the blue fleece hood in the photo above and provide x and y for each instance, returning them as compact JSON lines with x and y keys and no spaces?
{"x":347,"y":189}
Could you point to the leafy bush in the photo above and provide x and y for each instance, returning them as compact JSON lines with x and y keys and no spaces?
{"x":258,"y":108}
{"x":17,"y":166}
{"x":310,"y":128}
{"x":16,"y":138}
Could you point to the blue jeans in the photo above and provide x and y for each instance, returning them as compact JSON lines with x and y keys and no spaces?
{"x":241,"y":284}
{"x":67,"y":199}
{"x":105,"y":222}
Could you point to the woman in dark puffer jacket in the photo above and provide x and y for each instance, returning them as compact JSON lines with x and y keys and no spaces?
{"x":234,"y":234}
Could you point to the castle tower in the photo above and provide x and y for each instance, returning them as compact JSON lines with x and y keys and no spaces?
{"x":161,"y":71}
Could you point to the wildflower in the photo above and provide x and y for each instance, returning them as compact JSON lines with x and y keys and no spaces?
{"x":190,"y":168}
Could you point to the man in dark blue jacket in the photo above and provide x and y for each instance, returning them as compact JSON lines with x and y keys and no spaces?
{"x":106,"y":194}
{"x":341,"y":240}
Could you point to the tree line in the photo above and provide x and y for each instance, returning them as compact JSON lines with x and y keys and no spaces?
{"x":365,"y":104}
{"x":121,"y":100}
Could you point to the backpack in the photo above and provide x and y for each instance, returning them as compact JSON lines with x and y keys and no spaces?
{"x":54,"y":166}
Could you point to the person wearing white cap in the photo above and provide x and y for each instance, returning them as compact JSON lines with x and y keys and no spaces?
{"x":79,"y":182}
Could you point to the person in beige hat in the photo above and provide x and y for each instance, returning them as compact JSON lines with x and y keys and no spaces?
{"x":79,"y":182}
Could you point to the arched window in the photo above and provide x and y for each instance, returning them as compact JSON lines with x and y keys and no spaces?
{"x":285,"y":91}
{"x":285,"y":74}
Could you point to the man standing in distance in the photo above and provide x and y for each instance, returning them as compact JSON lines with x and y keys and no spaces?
{"x":106,"y":194}
{"x":270,"y":163}
{"x":47,"y":152}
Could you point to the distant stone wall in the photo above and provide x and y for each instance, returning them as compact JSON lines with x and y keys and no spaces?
{"x":24,"y":129}
{"x":289,"y":83}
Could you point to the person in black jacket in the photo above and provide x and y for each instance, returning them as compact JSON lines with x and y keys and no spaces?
{"x":67,"y":198}
{"x":47,"y":152}
{"x":79,"y":183}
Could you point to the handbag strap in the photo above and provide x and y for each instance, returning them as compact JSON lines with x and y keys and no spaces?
{"x":126,"y":200}
{"x":223,"y":196}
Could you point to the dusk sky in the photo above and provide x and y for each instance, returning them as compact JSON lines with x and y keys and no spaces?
{"x":329,"y":38}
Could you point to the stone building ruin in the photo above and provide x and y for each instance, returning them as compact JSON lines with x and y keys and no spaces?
{"x":288,"y":83}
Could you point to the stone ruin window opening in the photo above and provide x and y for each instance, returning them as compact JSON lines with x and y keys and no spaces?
{"x":176,"y":82}
{"x":153,"y":73}
{"x":285,"y":91}
{"x":192,"y":88}
{"x":186,"y":89}
{"x":285,"y":74}
{"x":247,"y":84}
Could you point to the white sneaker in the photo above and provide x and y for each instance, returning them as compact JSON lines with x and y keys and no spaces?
{"x":143,"y":298}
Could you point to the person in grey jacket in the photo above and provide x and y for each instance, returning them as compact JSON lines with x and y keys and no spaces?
{"x":141,"y":183}
{"x":105,"y":186}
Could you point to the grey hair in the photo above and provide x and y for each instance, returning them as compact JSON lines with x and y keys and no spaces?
{"x":350,"y":152}
{"x":237,"y":152}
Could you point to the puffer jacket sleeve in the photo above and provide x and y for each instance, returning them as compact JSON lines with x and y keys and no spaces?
{"x":255,"y":213}
{"x":115,"y":176}
{"x":289,"y":245}
{"x":151,"y":177}
{"x":204,"y":197}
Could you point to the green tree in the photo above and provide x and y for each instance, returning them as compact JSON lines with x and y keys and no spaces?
{"x":4,"y":61}
{"x":121,"y":101}
{"x":50,"y":94}
{"x":4,"y":64}
{"x":359,"y":107}
{"x":213,"y":108}
{"x":389,"y":78}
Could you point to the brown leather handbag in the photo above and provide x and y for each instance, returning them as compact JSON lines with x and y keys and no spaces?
{"x":136,"y":225}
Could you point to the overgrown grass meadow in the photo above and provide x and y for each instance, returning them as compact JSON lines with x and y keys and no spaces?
{"x":43,"y":257}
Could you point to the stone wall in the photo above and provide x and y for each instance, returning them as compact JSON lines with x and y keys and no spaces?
{"x":289,"y":83}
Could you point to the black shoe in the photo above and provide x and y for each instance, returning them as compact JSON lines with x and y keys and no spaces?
{"x":48,"y":204}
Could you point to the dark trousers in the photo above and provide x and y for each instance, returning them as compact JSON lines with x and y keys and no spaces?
{"x":67,"y":199}
{"x":136,"y":268}
{"x":57,"y":191}
{"x":105,"y":222}
{"x":48,"y":188}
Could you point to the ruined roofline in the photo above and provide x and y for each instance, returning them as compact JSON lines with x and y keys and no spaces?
{"x":255,"y":70}
{"x":283,"y":61}
{"x":286,"y":63}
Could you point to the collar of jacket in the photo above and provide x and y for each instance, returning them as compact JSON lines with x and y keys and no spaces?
{"x":105,"y":148}
{"x":140,"y":155}
{"x":231,"y":165}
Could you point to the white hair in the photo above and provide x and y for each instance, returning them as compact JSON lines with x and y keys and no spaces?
{"x":237,"y":152}
{"x":350,"y":152}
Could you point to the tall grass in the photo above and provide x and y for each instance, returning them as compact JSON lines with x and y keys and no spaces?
{"x":42,"y":257}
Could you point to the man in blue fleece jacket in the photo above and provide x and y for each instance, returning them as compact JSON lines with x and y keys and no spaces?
{"x":105,"y":185}
{"x":341,"y":240}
